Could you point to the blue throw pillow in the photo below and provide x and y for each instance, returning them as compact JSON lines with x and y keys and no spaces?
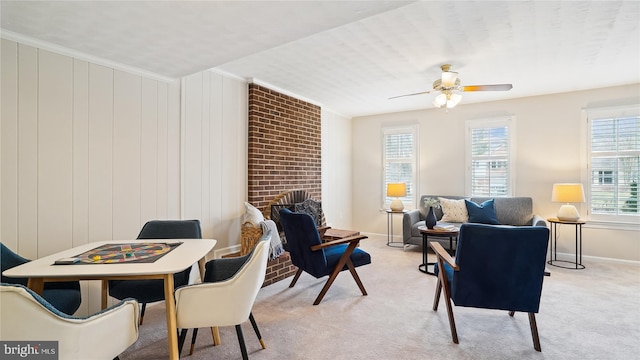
{"x":483,"y":213}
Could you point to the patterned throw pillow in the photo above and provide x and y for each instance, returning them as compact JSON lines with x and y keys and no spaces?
{"x":453,"y":210}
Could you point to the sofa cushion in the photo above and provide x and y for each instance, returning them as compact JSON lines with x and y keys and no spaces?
{"x":453,"y":210}
{"x":482,"y":213}
{"x":511,"y":210}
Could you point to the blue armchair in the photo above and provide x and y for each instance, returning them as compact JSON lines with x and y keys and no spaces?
{"x":496,"y":267}
{"x":64,"y":296}
{"x":148,"y":291}
{"x":318,"y":258}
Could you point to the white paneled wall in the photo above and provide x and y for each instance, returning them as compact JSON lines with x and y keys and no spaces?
{"x":336,"y":169}
{"x":88,"y":153}
{"x":214,"y":152}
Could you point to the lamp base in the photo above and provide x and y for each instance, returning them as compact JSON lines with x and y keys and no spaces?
{"x":568,"y":212}
{"x":396,"y":205}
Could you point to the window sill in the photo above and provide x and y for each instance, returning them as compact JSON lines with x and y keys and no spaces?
{"x":612,"y":225}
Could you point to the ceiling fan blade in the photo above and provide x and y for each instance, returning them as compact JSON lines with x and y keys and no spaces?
{"x":497,"y":87}
{"x":418,"y":93}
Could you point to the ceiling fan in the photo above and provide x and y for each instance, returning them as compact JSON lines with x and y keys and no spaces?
{"x":449,"y":87}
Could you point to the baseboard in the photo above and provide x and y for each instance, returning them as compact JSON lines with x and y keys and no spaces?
{"x":226,"y":251}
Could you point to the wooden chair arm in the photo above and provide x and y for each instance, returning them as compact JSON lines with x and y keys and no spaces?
{"x":322,"y":230}
{"x":350,"y":239}
{"x":441,"y":253}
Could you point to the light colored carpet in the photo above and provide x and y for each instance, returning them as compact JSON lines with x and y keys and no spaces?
{"x":584,"y":314}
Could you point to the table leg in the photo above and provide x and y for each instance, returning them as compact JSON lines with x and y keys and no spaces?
{"x":172,"y":326}
{"x":424,"y":267}
{"x":36,"y":284}
{"x":104,"y":293}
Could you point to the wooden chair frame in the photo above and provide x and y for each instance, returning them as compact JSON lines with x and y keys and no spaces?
{"x":345,"y":259}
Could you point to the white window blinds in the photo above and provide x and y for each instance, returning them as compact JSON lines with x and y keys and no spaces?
{"x":489,"y":158}
{"x":614,"y":165}
{"x":399,"y":151}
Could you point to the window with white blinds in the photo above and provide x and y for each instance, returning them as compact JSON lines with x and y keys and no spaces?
{"x":614,"y":164}
{"x":399,"y":146}
{"x":489,"y":157}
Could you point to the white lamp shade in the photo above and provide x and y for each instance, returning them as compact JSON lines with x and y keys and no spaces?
{"x":449,"y":78}
{"x":453,"y":100}
{"x":440,"y":100}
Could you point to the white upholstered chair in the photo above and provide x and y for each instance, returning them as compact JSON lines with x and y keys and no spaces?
{"x":225,"y":303}
{"x":26,"y":316}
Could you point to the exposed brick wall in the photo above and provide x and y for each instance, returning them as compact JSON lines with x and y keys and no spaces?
{"x":284,"y":154}
{"x":279,"y":269}
{"x":284,"y":146}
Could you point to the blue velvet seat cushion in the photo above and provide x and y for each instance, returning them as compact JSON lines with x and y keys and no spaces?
{"x":358,"y":257}
{"x":484,"y":213}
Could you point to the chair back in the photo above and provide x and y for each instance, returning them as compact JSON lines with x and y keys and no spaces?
{"x":227,"y":302}
{"x":171,"y":229}
{"x":65,"y":296}
{"x":301,"y":233}
{"x":26,"y":316}
{"x":501,"y":267}
{"x":8,"y":260}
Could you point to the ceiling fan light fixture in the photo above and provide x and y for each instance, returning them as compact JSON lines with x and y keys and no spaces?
{"x":449,"y":79}
{"x":440,"y":100}
{"x":453,"y":100}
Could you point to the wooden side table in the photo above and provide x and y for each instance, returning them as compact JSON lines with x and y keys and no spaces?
{"x":390,"y":241}
{"x":553,"y":244}
{"x":426,"y":232}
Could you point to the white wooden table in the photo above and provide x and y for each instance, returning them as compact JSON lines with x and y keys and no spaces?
{"x":180,"y":258}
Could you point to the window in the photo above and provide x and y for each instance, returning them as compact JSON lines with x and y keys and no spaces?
{"x":490,"y":164}
{"x":400,"y":159}
{"x":614,"y":164}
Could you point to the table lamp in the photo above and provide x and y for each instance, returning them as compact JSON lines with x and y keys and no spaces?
{"x":568,"y":193}
{"x":396,"y":190}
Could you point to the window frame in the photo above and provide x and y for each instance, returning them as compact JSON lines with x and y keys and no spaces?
{"x":617,"y":221}
{"x":412,"y":189}
{"x":505,"y":121}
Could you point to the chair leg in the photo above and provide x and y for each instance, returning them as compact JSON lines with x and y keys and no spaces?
{"x":295,"y":277}
{"x":255,"y":328}
{"x":182,"y":336}
{"x":534,"y":332}
{"x":144,"y":307}
{"x":215,"y":334}
{"x":352,"y":269}
{"x":436,"y":297}
{"x":341,"y":263}
{"x":447,"y":298}
{"x":193,"y":340}
{"x":243,"y":348}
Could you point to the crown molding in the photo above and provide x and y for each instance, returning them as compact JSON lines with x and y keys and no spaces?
{"x":44,"y":45}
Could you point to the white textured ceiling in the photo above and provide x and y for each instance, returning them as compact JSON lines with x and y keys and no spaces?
{"x":351,"y":56}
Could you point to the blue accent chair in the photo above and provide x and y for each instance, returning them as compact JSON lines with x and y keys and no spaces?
{"x":64,"y":296}
{"x":496,"y":267}
{"x":318,"y":258}
{"x":149,"y":291}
